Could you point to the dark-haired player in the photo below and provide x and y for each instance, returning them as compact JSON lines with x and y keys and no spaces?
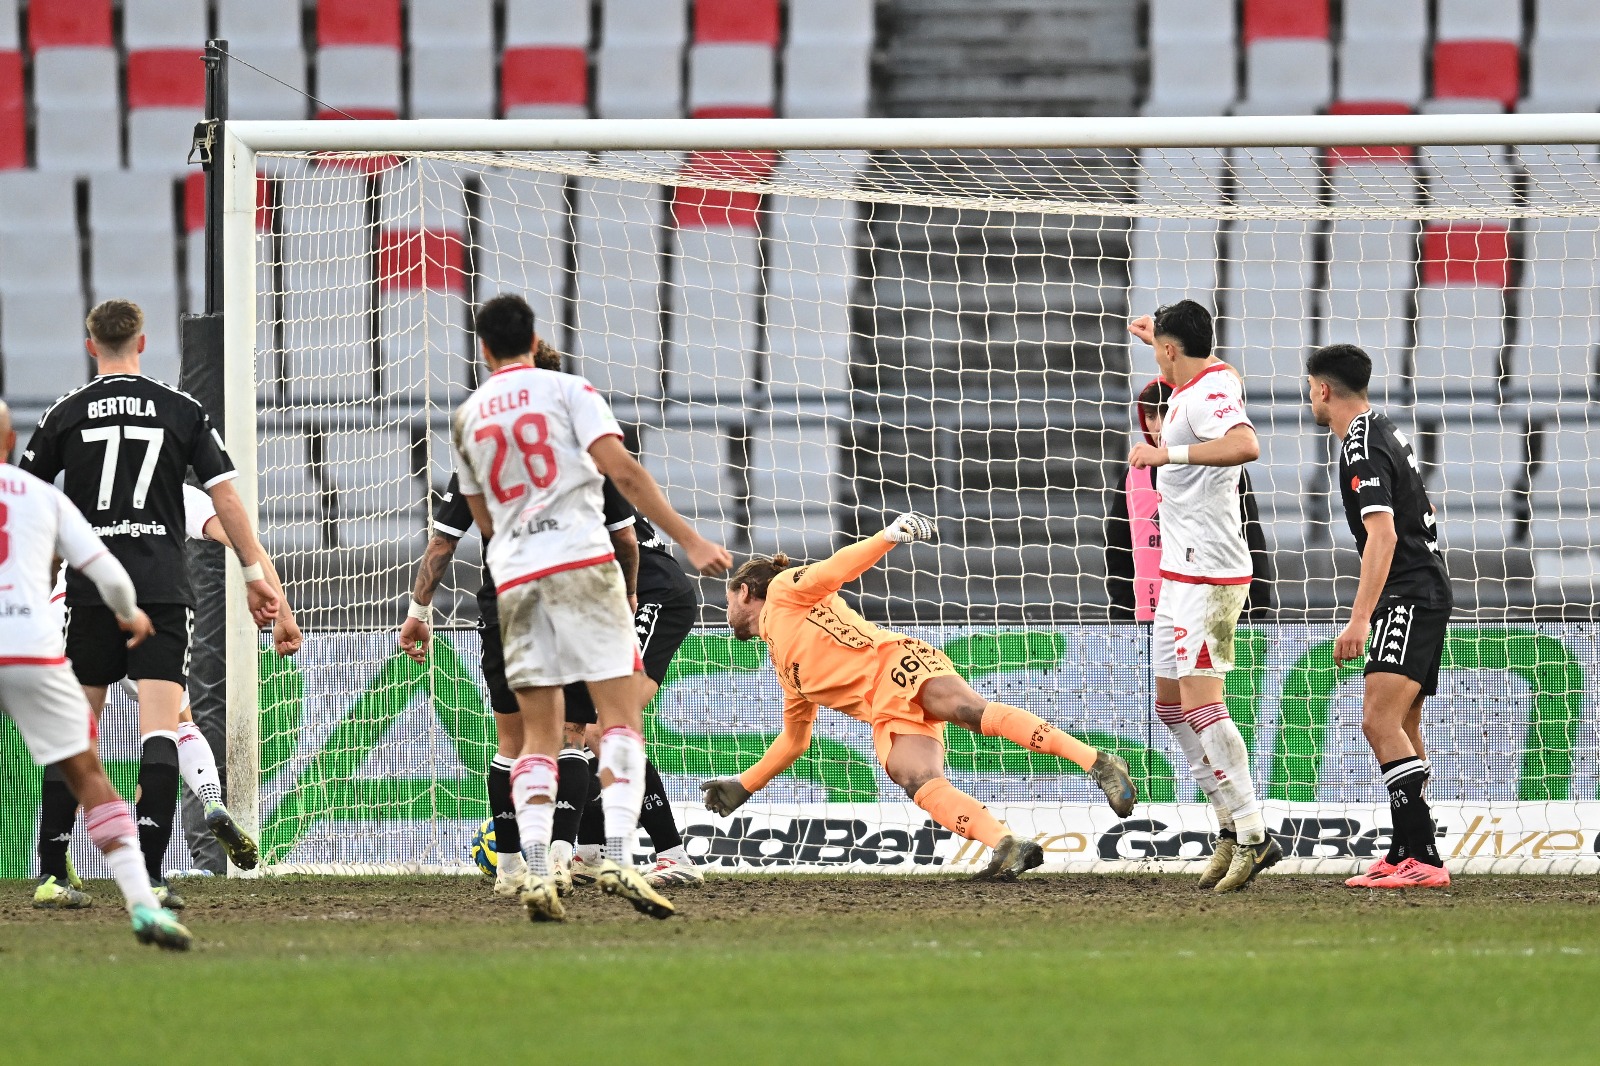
{"x":125,"y":443}
{"x":1206,"y":571}
{"x":1403,"y":601}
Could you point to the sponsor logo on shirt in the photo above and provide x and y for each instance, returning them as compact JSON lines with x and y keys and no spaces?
{"x":1357,"y":484}
{"x":15,"y":610}
{"x":131,"y":529}
{"x":533,"y":527}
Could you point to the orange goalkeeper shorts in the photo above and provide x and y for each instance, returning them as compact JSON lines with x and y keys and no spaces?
{"x":904,"y":667}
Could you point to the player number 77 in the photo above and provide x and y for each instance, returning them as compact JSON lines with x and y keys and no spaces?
{"x":113,"y":435}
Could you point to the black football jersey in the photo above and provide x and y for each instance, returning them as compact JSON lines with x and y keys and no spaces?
{"x":125,"y":444}
{"x":1379,"y":472}
{"x":659,"y":572}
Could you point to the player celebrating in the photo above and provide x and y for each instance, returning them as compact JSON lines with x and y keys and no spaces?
{"x":37,"y":687}
{"x":125,"y":443}
{"x":826,"y":654}
{"x":1403,"y":600}
{"x":1206,"y":572}
{"x":532,"y":447}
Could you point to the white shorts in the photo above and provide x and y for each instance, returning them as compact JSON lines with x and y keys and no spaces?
{"x":1194,"y":628}
{"x":574,"y":625}
{"x":50,"y":710}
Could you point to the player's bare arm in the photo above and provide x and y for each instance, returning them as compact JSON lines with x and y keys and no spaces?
{"x":625,"y":544}
{"x":480,"y":515}
{"x":1375,"y":564}
{"x":1236,"y":447}
{"x":286,"y":635}
{"x":641,"y":490}
{"x":264,"y":602}
{"x":415,"y":631}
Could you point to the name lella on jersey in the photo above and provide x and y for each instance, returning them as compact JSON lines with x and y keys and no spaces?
{"x":500,"y":404}
{"x":137,"y":406}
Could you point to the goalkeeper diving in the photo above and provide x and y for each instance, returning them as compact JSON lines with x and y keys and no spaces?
{"x":827,"y":655}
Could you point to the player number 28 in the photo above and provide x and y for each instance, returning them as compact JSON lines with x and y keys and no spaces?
{"x":530,"y":433}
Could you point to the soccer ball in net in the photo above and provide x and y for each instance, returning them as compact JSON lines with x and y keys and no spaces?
{"x":483,"y":850}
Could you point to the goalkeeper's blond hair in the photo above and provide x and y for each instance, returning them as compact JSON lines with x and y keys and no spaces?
{"x":757,"y":573}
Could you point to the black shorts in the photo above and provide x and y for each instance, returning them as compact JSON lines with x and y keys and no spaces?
{"x":661,"y":626}
{"x":1408,"y":639}
{"x":99,"y":648}
{"x":501,"y":698}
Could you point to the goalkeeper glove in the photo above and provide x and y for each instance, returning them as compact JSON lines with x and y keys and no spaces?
{"x":724,"y":795}
{"x":909,"y":527}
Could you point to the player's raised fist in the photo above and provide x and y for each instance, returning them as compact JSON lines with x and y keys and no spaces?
{"x":1144,"y":455}
{"x":707,"y":558}
{"x":909,"y":527}
{"x":263,"y":601}
{"x":286,"y":636}
{"x":724,"y":795}
{"x":1144,"y":327}
{"x":139,"y":628}
{"x":414,"y":637}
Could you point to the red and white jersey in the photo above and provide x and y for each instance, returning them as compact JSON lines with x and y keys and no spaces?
{"x":522,"y":443}
{"x":1202,"y":530}
{"x":197,"y":511}
{"x":37,"y":523}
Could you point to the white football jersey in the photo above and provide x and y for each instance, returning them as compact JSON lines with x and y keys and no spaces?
{"x":37,"y":523}
{"x":522,"y":443}
{"x":1202,"y":529}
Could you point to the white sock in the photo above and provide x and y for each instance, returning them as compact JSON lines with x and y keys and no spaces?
{"x":127,"y":866}
{"x":591,"y":854}
{"x":560,"y":851}
{"x":1230,"y":759}
{"x":677,"y":854}
{"x":621,"y":753}
{"x":533,"y":777}
{"x":197,"y":764}
{"x":1204,"y":775}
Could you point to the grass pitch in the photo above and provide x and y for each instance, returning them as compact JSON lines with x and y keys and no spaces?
{"x":817,"y":970}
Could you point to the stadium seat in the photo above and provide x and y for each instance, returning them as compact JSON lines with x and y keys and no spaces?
{"x":691,"y":465}
{"x":1265,"y":302}
{"x":1170,"y":257}
{"x":166,"y":97}
{"x":1568,"y":471}
{"x":548,"y":23}
{"x":69,"y":24}
{"x":522,"y":229}
{"x":1196,"y":74}
{"x":1285,"y":19}
{"x":13,"y":113}
{"x":163,"y":24}
{"x":810,"y":270}
{"x":1478,"y":20}
{"x":371,"y":471}
{"x":827,"y":80}
{"x":31,"y":202}
{"x":1382,"y":68}
{"x":619,"y":234}
{"x":736,"y":22}
{"x":738,"y":75}
{"x":79,"y":78}
{"x":638,"y":81}
{"x":1477,"y":70}
{"x":122,"y":203}
{"x":468,"y":23}
{"x":794,"y":463}
{"x":1557,"y":327}
{"x":31,"y":263}
{"x":41,"y":339}
{"x":364,"y":80}
{"x":835,"y":22}
{"x":1396,"y":20}
{"x":1470,"y":177}
{"x":545,"y":83}
{"x":260,"y":23}
{"x":452,"y":59}
{"x":1372,"y":262}
{"x":1460,"y":334}
{"x":1289,"y":73}
{"x":346,"y":23}
{"x":711,"y":328}
{"x":1566,"y":19}
{"x":1291,"y":452}
{"x":1192,"y":21}
{"x":266,"y":34}
{"x":1562,"y":71}
{"x":662,"y":23}
{"x":1483,"y":462}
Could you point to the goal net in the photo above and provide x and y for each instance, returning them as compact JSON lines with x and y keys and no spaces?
{"x":802,"y":343}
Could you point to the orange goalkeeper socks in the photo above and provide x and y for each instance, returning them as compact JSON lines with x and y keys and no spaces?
{"x":1035,"y":734}
{"x":960,"y":813}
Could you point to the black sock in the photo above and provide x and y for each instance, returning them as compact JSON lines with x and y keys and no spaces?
{"x":158,"y":799}
{"x":58,"y":809}
{"x":507,"y":837}
{"x":572,"y":794}
{"x":1413,"y":822}
{"x":655,"y":813}
{"x":593,"y":829}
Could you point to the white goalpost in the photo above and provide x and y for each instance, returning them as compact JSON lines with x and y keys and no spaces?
{"x":807,"y":326}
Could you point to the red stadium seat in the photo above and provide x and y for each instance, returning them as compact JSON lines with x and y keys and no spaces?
{"x":69,"y":24}
{"x":358,"y":22}
{"x":411,"y":260}
{"x":1278,"y":19}
{"x":1366,"y":155}
{"x":530,"y":76}
{"x":13,"y":114}
{"x":167,"y":77}
{"x":1477,"y":70}
{"x":736,"y":22}
{"x":1466,"y":253}
{"x":722,"y":208}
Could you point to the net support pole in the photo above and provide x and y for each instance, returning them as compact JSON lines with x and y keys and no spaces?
{"x":236,"y":168}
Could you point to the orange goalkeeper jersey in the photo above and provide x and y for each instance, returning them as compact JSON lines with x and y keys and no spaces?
{"x":822,"y":651}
